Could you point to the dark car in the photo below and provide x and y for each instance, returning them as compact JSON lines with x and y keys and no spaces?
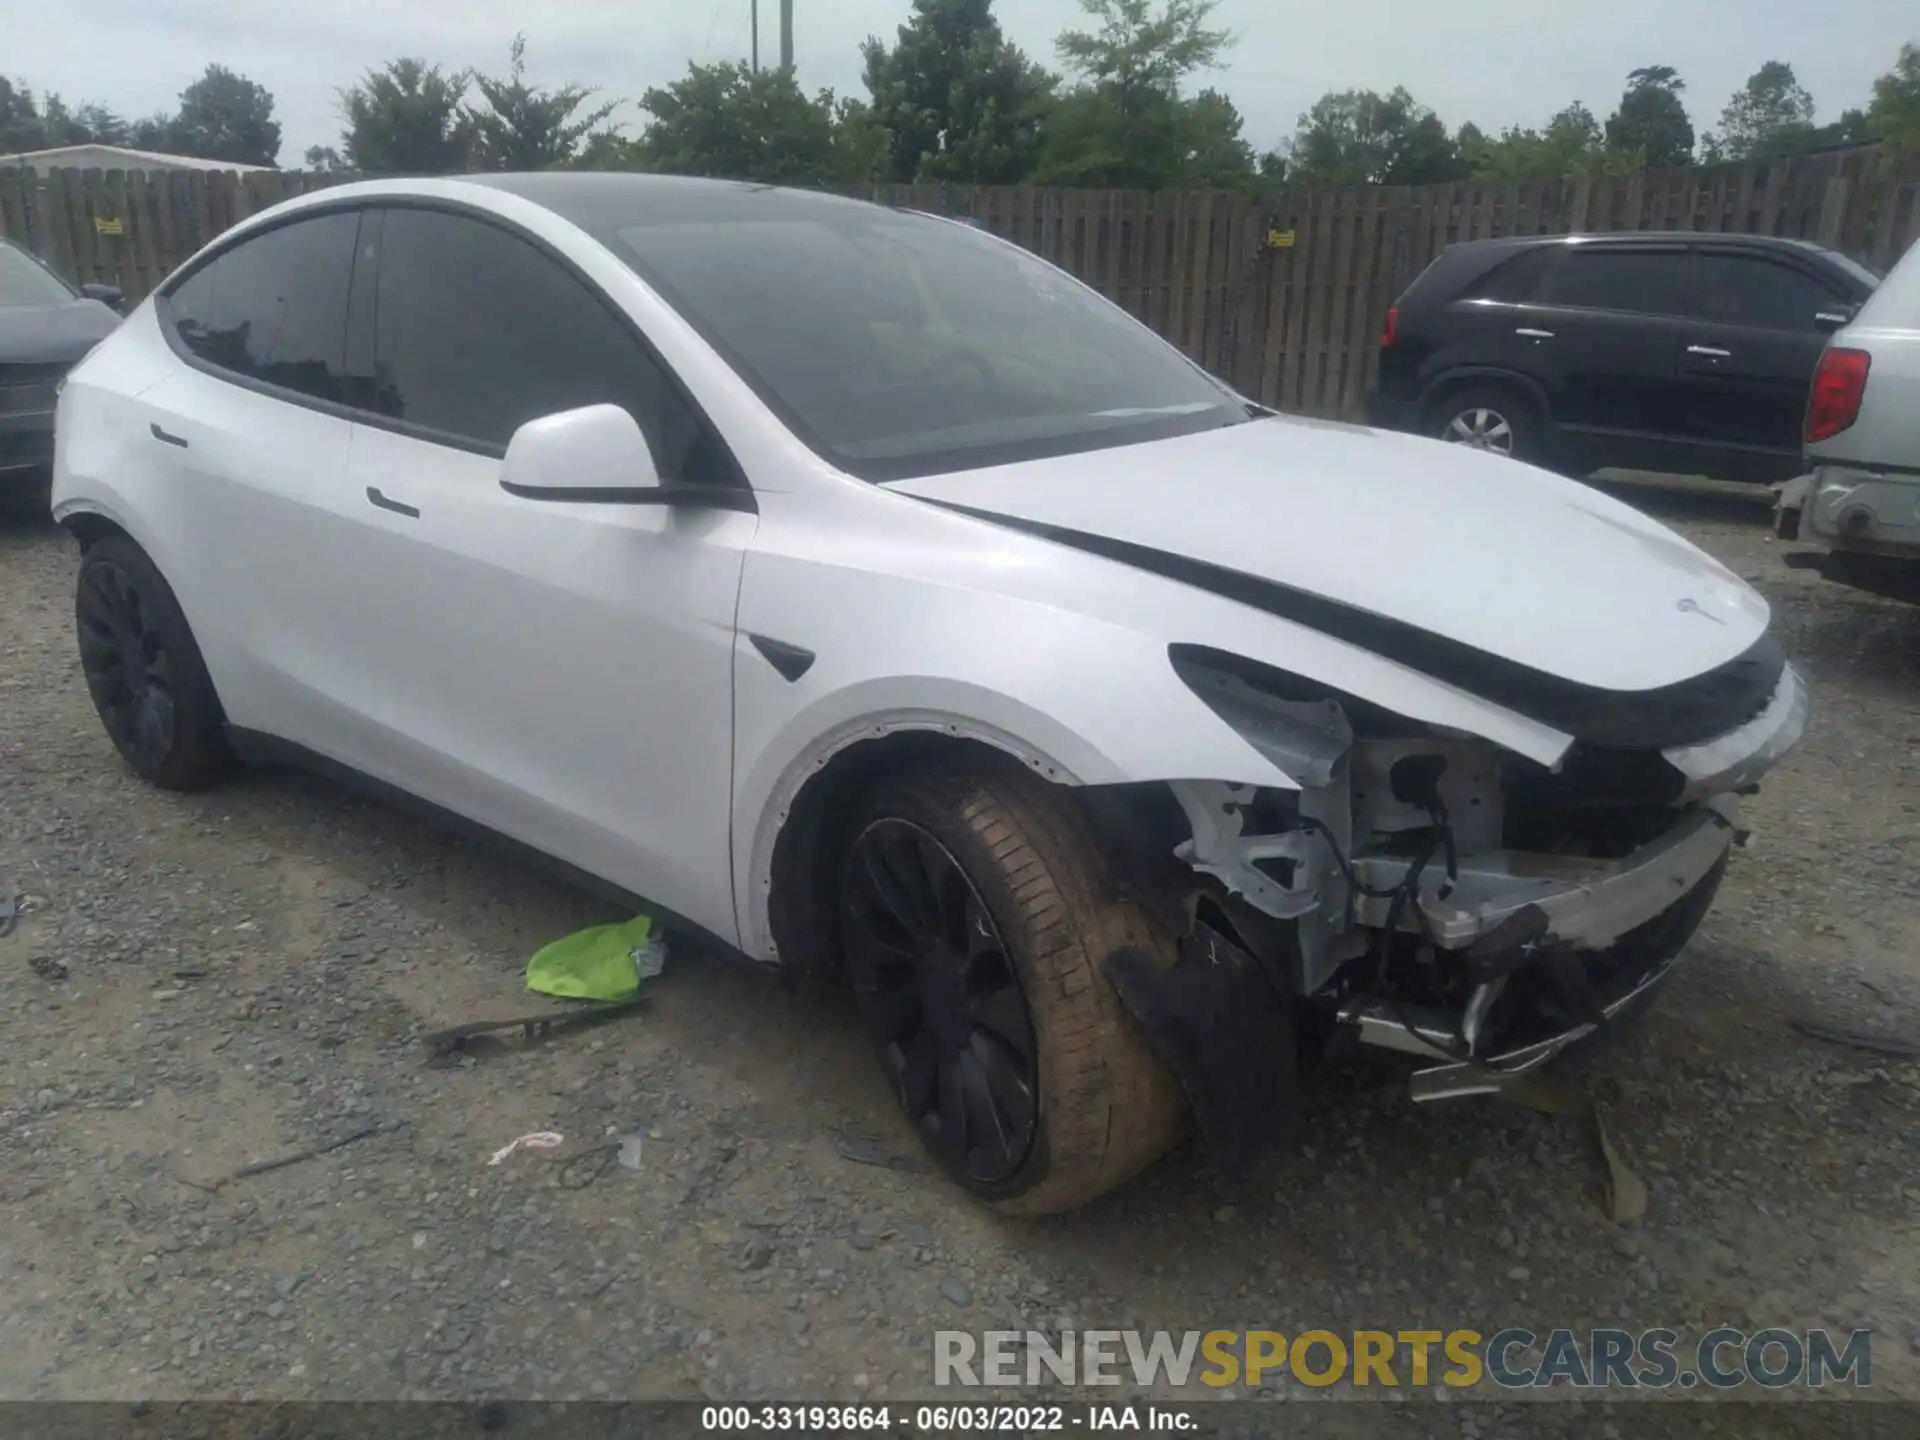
{"x":1678,"y":351}
{"x":45,"y":327}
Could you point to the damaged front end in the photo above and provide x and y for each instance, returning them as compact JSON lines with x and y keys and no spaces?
{"x":1425,"y":891}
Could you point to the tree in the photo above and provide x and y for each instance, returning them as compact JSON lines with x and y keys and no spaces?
{"x":862,"y":146}
{"x":154,"y":132}
{"x":1360,"y":137}
{"x":1894,"y":115}
{"x":20,"y":125}
{"x":1571,"y":144}
{"x":1217,"y":155}
{"x":956,"y":100}
{"x":729,"y":121}
{"x":1140,"y":52}
{"x":225,"y":116}
{"x":1126,"y":123}
{"x":525,"y":127}
{"x":1652,"y":120}
{"x":323,"y":157}
{"x":1769,"y":115}
{"x":406,"y":119}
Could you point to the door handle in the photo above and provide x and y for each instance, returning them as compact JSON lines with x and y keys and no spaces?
{"x":396,"y":506}
{"x":1534,"y":334}
{"x":1711,"y":351}
{"x":164,"y":438}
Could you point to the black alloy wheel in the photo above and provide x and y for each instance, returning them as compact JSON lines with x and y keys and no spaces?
{"x":129,"y":671}
{"x":941,"y":999}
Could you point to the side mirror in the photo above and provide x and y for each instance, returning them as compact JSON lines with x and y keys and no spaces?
{"x":112,"y":296}
{"x":597,"y":455}
{"x":1837,"y":318}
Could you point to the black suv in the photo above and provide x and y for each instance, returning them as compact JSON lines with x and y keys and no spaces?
{"x":1649,"y":351}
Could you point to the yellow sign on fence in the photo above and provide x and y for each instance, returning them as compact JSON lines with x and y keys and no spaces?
{"x":103,"y":226}
{"x":1280,"y":239}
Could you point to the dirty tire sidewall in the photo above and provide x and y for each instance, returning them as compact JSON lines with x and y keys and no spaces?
{"x":199,"y":754}
{"x":1108,"y":1106}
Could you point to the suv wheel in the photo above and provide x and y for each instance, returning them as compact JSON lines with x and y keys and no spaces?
{"x":1490,"y":418}
{"x":975,"y":913}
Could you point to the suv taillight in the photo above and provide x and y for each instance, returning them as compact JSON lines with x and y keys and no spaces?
{"x":1390,"y":332}
{"x":1839,"y":385}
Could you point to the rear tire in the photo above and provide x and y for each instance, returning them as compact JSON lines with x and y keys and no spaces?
{"x":144,"y":670}
{"x":991,"y":911}
{"x":1498,"y":419}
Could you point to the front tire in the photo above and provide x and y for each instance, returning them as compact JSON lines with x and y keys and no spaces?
{"x":144,"y":670}
{"x":975,"y":913}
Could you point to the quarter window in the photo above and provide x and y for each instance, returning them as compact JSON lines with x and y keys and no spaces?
{"x":1750,"y":290}
{"x":1645,"y":282}
{"x":274,"y":308}
{"x":477,"y":331}
{"x":1517,"y":280}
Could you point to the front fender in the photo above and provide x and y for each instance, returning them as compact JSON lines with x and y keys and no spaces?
{"x":1141,"y":723}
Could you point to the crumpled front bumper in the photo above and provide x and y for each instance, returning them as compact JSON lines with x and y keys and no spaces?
{"x":1579,"y":905}
{"x":1582,"y":911}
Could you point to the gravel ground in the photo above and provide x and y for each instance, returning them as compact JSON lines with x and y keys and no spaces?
{"x":201,"y":981}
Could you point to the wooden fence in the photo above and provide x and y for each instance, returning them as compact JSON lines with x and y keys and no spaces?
{"x":1283,"y":296}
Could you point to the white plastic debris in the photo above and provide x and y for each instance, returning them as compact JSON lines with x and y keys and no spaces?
{"x":651,"y":958}
{"x":538,"y":1140}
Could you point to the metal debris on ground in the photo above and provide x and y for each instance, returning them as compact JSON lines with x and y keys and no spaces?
{"x":291,"y":1157}
{"x":1623,"y":1193}
{"x":865,"y":1150}
{"x":1864,"y":1040}
{"x":532,"y":1027}
{"x":581,"y":1170}
{"x":538,"y":1140}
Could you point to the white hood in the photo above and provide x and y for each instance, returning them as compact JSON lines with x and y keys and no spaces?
{"x":1485,"y":551}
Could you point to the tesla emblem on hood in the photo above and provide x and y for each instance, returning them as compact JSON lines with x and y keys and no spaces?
{"x":1691,"y":606}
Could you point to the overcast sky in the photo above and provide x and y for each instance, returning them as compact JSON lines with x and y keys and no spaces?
{"x":1496,"y":62}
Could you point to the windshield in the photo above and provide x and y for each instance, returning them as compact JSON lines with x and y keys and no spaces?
{"x":26,"y":283}
{"x":900,"y":345}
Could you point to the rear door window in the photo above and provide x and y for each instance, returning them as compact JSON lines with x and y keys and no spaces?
{"x":274,"y":308}
{"x":1753,"y":290}
{"x":1642,"y":282}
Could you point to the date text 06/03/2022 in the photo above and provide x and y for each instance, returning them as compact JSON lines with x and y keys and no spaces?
{"x":943,"y":1419}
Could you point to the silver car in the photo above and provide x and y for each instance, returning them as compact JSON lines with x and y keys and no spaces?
{"x":1860,"y":503}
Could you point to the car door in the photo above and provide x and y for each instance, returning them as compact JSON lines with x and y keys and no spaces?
{"x":1751,"y":352}
{"x":250,"y":438}
{"x":1606,"y":328}
{"x":558,"y":672}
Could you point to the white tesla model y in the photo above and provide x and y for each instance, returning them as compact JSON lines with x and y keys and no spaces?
{"x":865,"y":592}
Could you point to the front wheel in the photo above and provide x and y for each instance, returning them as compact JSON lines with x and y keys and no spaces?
{"x":974,"y":916}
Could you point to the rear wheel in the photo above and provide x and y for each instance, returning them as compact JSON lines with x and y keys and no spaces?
{"x":1493,"y":418}
{"x":144,"y":670}
{"x":975,"y":916}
